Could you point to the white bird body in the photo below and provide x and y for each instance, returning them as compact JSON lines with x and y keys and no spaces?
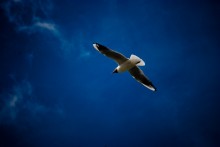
{"x":125,"y":66}
{"x":132,"y":62}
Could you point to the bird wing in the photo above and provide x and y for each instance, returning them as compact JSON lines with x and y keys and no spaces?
{"x":117,"y":57}
{"x":138,"y":74}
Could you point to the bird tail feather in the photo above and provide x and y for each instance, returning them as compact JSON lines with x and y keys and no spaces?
{"x":137,"y":60}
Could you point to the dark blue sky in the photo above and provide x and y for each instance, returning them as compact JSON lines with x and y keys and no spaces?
{"x":57,"y":90}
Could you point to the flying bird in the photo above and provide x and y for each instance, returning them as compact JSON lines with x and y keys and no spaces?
{"x":125,"y":64}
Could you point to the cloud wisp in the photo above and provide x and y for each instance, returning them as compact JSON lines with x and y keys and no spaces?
{"x":20,"y":99}
{"x":30,"y":16}
{"x":34,"y":16}
{"x":45,"y":25}
{"x":13,"y":100}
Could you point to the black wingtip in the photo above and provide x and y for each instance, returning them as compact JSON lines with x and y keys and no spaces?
{"x":115,"y":71}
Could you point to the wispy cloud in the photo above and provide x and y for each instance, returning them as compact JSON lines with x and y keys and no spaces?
{"x":85,"y":54}
{"x":13,"y":101}
{"x":38,"y":20}
{"x":28,"y":14}
{"x":47,"y":26}
{"x":41,"y":26}
{"x":18,"y":99}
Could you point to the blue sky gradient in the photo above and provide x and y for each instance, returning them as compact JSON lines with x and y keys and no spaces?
{"x":57,"y":90}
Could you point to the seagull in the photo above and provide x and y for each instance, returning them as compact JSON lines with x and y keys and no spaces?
{"x":125,"y":64}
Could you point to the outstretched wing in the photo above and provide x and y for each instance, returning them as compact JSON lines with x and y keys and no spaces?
{"x":119,"y":58}
{"x":138,"y":74}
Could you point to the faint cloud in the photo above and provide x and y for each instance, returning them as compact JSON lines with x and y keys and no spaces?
{"x":38,"y":20}
{"x":45,"y":25}
{"x":84,"y":54}
{"x":39,"y":26}
{"x":26,"y":14}
{"x":31,"y":16}
{"x":13,"y":101}
{"x":19,"y":99}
